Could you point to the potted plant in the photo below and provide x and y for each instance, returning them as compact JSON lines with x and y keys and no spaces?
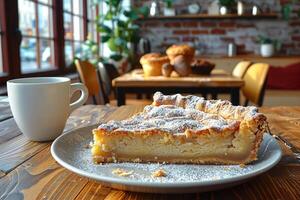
{"x":168,"y":9}
{"x":118,"y":30}
{"x":90,"y":52}
{"x":267,"y":46}
{"x":287,"y":9}
{"x":226,"y":6}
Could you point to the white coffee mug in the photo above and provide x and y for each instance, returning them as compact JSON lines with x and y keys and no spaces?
{"x":41,"y":105}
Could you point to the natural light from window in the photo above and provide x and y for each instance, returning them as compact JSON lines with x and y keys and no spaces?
{"x":92,"y":26}
{"x":1,"y":62}
{"x":37,"y":46}
{"x":73,"y":25}
{"x":104,"y":50}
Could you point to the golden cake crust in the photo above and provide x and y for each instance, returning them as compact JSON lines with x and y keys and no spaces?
{"x":154,"y":58}
{"x":186,"y":51}
{"x":152,"y":63}
{"x":180,"y":50}
{"x":184,"y":124}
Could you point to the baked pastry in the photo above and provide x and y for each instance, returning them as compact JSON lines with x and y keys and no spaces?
{"x":182,"y":66}
{"x":182,"y":129}
{"x":201,"y":66}
{"x":185,"y":50}
{"x":167,"y":69}
{"x":152,"y":63}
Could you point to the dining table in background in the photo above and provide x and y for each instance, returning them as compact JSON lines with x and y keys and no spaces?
{"x":218,"y":82}
{"x":28,"y":171}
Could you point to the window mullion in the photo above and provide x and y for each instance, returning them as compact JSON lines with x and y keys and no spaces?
{"x":58,"y":34}
{"x":73,"y":30}
{"x":85,"y":19}
{"x":10,"y":38}
{"x":38,"y":46}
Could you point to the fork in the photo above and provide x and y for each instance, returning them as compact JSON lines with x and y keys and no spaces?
{"x":295,"y":150}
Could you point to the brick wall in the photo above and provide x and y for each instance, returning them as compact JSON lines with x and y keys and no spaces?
{"x":211,"y":36}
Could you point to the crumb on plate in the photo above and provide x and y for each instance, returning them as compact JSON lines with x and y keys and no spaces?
{"x":159,"y":173}
{"x":121,"y":172}
{"x":242,"y":165}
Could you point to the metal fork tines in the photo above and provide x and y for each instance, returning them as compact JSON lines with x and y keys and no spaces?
{"x":288,"y":144}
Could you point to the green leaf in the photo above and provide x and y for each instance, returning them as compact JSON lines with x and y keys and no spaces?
{"x":144,"y":11}
{"x":112,"y":45}
{"x":109,"y":16}
{"x":105,"y":38}
{"x":168,"y":3}
{"x":126,"y":13}
{"x":118,"y":41}
{"x":286,"y":11}
{"x":227,"y":3}
{"x":121,"y":23}
{"x":131,"y":14}
{"x":134,"y":16}
{"x":94,"y":49}
{"x":115,"y":3}
{"x":116,"y":57}
{"x":102,"y":28}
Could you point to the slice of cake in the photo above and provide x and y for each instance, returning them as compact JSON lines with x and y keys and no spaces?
{"x":182,"y":129}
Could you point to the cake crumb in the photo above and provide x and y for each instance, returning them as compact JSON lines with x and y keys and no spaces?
{"x":159,"y":173}
{"x":242,"y":165}
{"x":122,"y":172}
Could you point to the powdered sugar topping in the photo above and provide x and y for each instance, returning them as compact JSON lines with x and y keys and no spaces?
{"x":171,"y":119}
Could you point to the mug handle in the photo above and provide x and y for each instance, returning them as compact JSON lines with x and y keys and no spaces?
{"x":84,"y":95}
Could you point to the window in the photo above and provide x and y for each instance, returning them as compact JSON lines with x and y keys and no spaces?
{"x":1,"y":62}
{"x":37,"y":46}
{"x":104,"y":49}
{"x":73,"y":26}
{"x":53,"y":32}
{"x":93,"y":12}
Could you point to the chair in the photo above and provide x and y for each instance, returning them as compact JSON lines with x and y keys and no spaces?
{"x":255,"y":83}
{"x":241,"y":68}
{"x":238,"y":71}
{"x":89,"y":76}
{"x":108,"y":73}
{"x":99,"y":82}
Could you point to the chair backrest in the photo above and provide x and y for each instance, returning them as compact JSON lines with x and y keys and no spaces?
{"x":241,"y":68}
{"x":108,"y":73}
{"x":255,"y":83}
{"x":90,"y":77}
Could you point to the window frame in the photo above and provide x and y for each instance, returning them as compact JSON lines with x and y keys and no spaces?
{"x":83,"y":17}
{"x":1,"y":51}
{"x":11,"y":40}
{"x":37,"y":36}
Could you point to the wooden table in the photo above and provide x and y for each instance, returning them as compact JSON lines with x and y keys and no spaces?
{"x":27,"y":169}
{"x":216,"y":83}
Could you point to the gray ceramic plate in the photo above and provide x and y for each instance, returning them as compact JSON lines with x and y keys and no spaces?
{"x":70,"y":150}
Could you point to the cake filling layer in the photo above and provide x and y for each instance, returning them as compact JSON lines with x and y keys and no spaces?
{"x":162,"y":147}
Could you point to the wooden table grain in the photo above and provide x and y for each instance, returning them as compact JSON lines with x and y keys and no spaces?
{"x":218,"y":82}
{"x":28,"y":171}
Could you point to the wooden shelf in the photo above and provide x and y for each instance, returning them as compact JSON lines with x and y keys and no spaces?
{"x":249,"y":56}
{"x":206,"y":16}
